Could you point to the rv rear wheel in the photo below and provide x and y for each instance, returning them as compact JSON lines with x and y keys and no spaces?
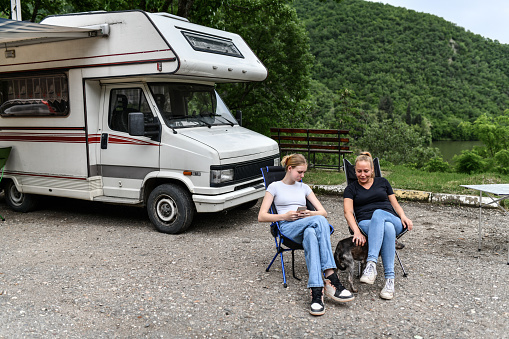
{"x":17,"y":201}
{"x":170,"y":208}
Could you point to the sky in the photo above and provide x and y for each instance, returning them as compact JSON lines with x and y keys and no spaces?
{"x":488,"y":18}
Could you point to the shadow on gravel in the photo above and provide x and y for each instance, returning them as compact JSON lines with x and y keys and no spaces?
{"x":124,"y":215}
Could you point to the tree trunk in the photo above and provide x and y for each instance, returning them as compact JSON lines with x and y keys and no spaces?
{"x":184,"y":8}
{"x":37,"y":4}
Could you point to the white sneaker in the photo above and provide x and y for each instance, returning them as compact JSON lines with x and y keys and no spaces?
{"x":369,"y":274}
{"x":388,"y":290}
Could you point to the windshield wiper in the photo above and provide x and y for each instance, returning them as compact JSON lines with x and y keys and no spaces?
{"x":230,"y":122}
{"x":209,"y":114}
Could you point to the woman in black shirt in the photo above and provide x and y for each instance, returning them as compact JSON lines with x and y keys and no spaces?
{"x":370,"y":203}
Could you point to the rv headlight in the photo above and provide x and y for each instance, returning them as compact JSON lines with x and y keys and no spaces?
{"x":277,"y":161}
{"x":220,"y":176}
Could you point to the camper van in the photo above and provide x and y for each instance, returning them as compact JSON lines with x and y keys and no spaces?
{"x":121,"y":108}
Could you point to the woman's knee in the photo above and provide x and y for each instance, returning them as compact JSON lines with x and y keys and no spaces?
{"x":378,"y":214}
{"x":389,"y":231}
{"x":309,"y":232}
{"x":319,"y":222}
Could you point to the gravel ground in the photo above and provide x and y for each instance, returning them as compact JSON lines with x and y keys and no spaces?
{"x":76,"y":269}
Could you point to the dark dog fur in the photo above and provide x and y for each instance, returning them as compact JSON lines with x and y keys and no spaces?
{"x":346,"y":254}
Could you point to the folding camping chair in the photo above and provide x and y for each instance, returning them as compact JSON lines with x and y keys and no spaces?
{"x":4,"y":155}
{"x":351,"y":177}
{"x":271,"y":174}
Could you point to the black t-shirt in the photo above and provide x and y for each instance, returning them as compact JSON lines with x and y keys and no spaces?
{"x":365,"y":202}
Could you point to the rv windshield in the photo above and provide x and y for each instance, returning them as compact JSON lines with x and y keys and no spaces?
{"x":190,"y":105}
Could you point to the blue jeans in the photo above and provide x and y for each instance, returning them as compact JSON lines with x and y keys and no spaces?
{"x":382,"y":230}
{"x":314,"y":235}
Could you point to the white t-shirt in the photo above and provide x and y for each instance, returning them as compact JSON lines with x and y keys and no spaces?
{"x":288,"y":197}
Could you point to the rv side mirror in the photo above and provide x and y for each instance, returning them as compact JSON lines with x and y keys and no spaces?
{"x":136,"y":124}
{"x":238,"y":116}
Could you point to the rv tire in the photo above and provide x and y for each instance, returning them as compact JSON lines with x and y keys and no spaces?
{"x":17,"y":201}
{"x":170,"y":208}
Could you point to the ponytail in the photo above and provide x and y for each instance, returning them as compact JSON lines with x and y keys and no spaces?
{"x":293,"y":160}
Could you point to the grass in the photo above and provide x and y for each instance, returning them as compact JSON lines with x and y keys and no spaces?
{"x":411,"y":179}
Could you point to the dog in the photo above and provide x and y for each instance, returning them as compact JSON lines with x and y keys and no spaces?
{"x":345,"y":256}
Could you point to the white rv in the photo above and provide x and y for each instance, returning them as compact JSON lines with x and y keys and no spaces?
{"x":120,"y":107}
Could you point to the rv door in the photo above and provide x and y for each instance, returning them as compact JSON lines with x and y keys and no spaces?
{"x":125,"y":160}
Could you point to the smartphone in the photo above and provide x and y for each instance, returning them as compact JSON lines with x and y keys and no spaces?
{"x":302,"y":208}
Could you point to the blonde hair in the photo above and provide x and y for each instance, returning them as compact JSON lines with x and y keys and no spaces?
{"x":293,"y":160}
{"x":366,"y":156}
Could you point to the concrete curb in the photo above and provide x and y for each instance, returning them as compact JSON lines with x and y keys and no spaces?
{"x":412,"y":195}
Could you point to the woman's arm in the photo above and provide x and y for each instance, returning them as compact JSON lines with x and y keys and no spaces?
{"x":265,"y":216}
{"x":359,"y":238}
{"x":407,"y":223}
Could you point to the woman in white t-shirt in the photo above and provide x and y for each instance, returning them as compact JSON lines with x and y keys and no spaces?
{"x":309,"y":228}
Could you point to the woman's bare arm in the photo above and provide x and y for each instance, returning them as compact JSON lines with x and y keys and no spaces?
{"x":407,"y":223}
{"x":359,"y":238}
{"x":265,"y":216}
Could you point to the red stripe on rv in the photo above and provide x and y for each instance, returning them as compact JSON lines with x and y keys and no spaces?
{"x":66,"y":138}
{"x":41,"y":175}
{"x":119,"y":139}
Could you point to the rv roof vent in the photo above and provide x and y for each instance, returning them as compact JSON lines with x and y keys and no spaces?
{"x":172,"y":16}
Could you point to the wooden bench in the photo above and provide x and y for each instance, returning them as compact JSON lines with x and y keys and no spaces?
{"x":313,"y":141}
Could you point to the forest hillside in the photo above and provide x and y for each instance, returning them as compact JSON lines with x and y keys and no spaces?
{"x":402,"y":64}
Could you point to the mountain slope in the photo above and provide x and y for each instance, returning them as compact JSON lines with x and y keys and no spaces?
{"x":420,"y":61}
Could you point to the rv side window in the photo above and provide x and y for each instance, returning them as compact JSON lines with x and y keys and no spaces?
{"x":124,"y":101}
{"x":37,"y":95}
{"x":212,"y":44}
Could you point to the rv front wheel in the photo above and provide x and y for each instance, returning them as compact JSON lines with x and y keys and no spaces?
{"x":170,"y":208}
{"x":17,"y":201}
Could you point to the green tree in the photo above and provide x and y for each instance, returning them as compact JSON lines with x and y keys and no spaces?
{"x":274,"y":32}
{"x":408,"y":115}
{"x":396,"y":142}
{"x":380,"y":51}
{"x":493,"y":132}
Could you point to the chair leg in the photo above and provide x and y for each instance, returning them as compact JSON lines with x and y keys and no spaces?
{"x":283,"y":270}
{"x":401,"y":264}
{"x":293,"y":265}
{"x":268,"y":267}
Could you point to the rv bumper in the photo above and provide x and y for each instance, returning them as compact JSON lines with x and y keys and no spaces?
{"x":216,"y":203}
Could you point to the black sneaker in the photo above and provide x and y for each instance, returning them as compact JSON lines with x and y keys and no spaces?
{"x":399,"y":245}
{"x":336,"y":291}
{"x":317,"y":306}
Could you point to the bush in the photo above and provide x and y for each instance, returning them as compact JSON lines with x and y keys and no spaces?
{"x":437,"y":164}
{"x":502,"y":161}
{"x":469,"y":162}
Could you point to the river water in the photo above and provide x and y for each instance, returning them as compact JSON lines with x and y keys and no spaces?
{"x":450,"y":148}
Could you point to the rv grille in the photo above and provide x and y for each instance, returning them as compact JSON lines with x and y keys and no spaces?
{"x":245,"y":171}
